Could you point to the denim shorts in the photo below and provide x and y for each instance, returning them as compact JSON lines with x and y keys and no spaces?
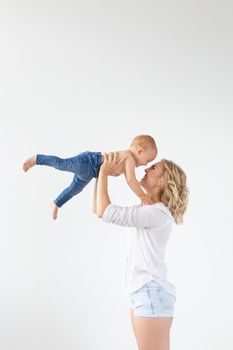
{"x":152,"y":300}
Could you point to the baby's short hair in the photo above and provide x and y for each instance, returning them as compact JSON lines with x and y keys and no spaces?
{"x":144,"y":141}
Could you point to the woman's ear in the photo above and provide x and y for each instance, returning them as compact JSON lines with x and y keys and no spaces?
{"x":162,"y":182}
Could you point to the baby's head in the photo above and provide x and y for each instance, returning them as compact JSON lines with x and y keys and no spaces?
{"x":144,"y":149}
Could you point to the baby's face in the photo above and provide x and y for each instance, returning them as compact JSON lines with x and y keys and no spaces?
{"x":144,"y":156}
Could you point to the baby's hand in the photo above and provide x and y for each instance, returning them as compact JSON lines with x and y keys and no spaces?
{"x":146,"y":199}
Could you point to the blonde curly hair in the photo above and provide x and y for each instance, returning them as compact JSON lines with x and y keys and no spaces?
{"x":175,"y":194}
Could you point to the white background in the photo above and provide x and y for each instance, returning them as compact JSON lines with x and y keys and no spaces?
{"x":91,"y":75}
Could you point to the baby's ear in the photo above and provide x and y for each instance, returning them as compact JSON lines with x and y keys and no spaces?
{"x":140,"y":150}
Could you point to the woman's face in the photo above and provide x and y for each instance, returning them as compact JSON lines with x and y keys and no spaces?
{"x":153,"y":177}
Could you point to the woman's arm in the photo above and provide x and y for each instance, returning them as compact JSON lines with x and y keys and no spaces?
{"x":94,"y":205}
{"x":110,"y":164}
{"x":136,"y":216}
{"x":102,"y":197}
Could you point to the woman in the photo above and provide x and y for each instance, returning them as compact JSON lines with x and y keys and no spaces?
{"x":151,"y":296}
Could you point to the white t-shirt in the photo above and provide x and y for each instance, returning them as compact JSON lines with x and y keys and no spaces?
{"x":147,"y":244}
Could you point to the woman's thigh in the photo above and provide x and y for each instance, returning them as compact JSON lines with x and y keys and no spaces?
{"x":151,"y":333}
{"x":152,"y":310}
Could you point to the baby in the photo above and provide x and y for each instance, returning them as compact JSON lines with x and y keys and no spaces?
{"x":86,"y":165}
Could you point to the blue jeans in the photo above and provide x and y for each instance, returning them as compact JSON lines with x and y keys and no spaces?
{"x":85,"y":166}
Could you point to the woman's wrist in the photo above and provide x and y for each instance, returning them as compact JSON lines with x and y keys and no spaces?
{"x":103,"y":172}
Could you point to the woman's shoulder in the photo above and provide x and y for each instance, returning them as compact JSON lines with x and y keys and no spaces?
{"x":161,"y":207}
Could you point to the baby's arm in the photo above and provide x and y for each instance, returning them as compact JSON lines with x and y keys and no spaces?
{"x":132,"y":181}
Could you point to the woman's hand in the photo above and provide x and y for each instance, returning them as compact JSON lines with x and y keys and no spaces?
{"x":110,"y":164}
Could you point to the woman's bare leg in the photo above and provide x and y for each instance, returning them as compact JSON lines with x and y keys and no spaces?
{"x":151,"y":333}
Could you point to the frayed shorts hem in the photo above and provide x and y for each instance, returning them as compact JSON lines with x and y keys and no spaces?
{"x":153,"y":316}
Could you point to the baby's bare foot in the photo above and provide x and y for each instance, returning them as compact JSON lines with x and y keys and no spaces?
{"x":30,"y":162}
{"x":54,"y":210}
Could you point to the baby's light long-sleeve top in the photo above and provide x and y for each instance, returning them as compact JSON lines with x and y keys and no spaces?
{"x":147,"y":244}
